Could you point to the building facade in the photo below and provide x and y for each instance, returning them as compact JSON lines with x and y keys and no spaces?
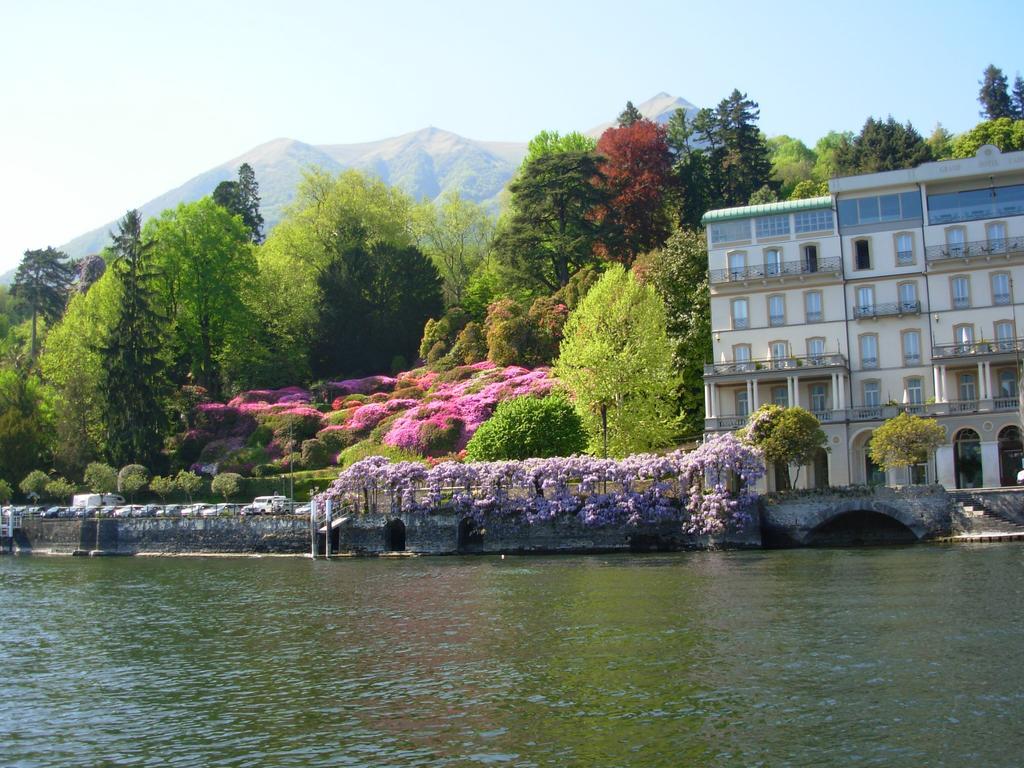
{"x":899,"y":291}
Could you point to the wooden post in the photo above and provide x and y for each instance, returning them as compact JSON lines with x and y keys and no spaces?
{"x":327,"y":538}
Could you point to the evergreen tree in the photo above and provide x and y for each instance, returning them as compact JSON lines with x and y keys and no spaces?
{"x":242,"y":198}
{"x":691,"y":191}
{"x":993,"y":94}
{"x":43,"y":281}
{"x":1017,"y":98}
{"x":738,"y":157}
{"x":629,"y":115}
{"x":132,"y":384}
{"x":882,"y":146}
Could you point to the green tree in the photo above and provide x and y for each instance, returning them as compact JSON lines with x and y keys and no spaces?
{"x":204,"y":260}
{"x":787,"y":436}
{"x":905,"y":440}
{"x":529,"y":427}
{"x":34,"y":483}
{"x":825,"y":149}
{"x":763,"y":195}
{"x":809,"y":188}
{"x":994,"y":95}
{"x":692,"y":184}
{"x":629,"y":115}
{"x":133,"y":383}
{"x":100,"y":478}
{"x":792,"y":162}
{"x":131,"y":479}
{"x":616,"y":360}
{"x":551,"y":142}
{"x":60,"y":489}
{"x":162,"y":486}
{"x":1017,"y":97}
{"x":227,"y":484}
{"x":25,"y":423}
{"x":1005,"y":134}
{"x":739,"y":158}
{"x":456,"y":234}
{"x":43,"y":280}
{"x":6,"y":492}
{"x":882,"y":146}
{"x":188,"y":483}
{"x":554,"y":225}
{"x":242,"y":198}
{"x":940,"y":143}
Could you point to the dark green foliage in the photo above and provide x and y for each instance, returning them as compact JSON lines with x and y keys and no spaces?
{"x":573,"y":292}
{"x":470,"y":345}
{"x":6,"y":492}
{"x":529,"y":427}
{"x":739,"y":155}
{"x":34,"y":483}
{"x":520,"y":336}
{"x":60,"y":490}
{"x":374,"y":302}
{"x":554,"y":227}
{"x":292,"y":426}
{"x":43,"y":281}
{"x":1017,"y":98}
{"x":260,"y":437}
{"x":629,"y":115}
{"x":100,"y":478}
{"x":440,"y":440}
{"x":882,"y":146}
{"x":443,"y":332}
{"x":994,"y":95}
{"x":315,"y":454}
{"x":691,"y":191}
{"x":133,"y":385}
{"x":242,"y":198}
{"x":132,"y":478}
{"x":336,"y":440}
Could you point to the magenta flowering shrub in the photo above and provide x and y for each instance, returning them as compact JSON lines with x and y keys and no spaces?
{"x":365,"y":386}
{"x":706,"y":490}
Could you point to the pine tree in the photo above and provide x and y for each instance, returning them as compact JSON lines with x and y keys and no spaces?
{"x":242,"y":198}
{"x":993,"y":95}
{"x":739,"y":159}
{"x":1017,"y":98}
{"x":629,"y":115}
{"x":43,"y":280}
{"x":882,"y":145}
{"x":131,"y":388}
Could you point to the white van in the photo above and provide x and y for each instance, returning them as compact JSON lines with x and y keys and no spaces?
{"x":91,"y":500}
{"x":266,"y":505}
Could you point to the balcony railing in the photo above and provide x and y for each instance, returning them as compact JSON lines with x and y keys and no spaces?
{"x":896,"y":309}
{"x":1002,"y":247}
{"x":977,"y":348}
{"x":794,"y":362}
{"x":769,"y":271}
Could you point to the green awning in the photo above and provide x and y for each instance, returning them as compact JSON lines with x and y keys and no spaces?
{"x":767,"y":209}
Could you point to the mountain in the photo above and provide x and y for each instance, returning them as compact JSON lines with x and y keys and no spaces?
{"x":426,"y":163}
{"x":657,"y":109}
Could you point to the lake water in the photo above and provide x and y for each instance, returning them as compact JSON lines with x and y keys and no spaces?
{"x":876,"y":657}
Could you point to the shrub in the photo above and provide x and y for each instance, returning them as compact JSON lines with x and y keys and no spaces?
{"x":260,"y":437}
{"x":265,"y":470}
{"x":59,"y":488}
{"x":365,"y":448}
{"x":162,"y":486}
{"x":100,"y":478}
{"x":315,"y":454}
{"x":297,"y":424}
{"x":227,"y":484}
{"x":35,"y":482}
{"x":188,"y":483}
{"x":440,"y":439}
{"x":132,"y":478}
{"x":529,"y":427}
{"x":336,"y":439}
{"x":470,"y":346}
{"x":6,"y":492}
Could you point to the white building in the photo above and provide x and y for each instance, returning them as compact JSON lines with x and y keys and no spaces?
{"x":899,"y":291}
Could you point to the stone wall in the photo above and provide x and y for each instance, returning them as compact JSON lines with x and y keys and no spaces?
{"x":1005,"y":502}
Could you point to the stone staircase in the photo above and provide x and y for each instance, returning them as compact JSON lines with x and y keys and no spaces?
{"x":982,"y":524}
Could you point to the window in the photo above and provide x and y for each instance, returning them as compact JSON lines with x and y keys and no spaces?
{"x":779,"y":352}
{"x":862,"y":254}
{"x":869,"y":350}
{"x":742,"y":404}
{"x":865,"y":301}
{"x":960,"y":287}
{"x":908,"y":297}
{"x":812,"y":306}
{"x":904,"y":249}
{"x":815,"y":350}
{"x":914,"y":393}
{"x":872,"y":210}
{"x":872,"y":394}
{"x":819,"y":398}
{"x":772,"y":226}
{"x":810,"y":258}
{"x":911,"y":347}
{"x":776,"y":310}
{"x":963,"y":336}
{"x":1000,"y":288}
{"x":737,"y":265}
{"x":729,"y":231}
{"x":995,"y":233}
{"x":1007,"y":383}
{"x":740,"y":316}
{"x":955,"y":241}
{"x":780,"y":396}
{"x":968,"y":389}
{"x":973,"y":204}
{"x":813,"y":221}
{"x":773,"y":261}
{"x":741,"y":356}
{"x":1004,"y":335}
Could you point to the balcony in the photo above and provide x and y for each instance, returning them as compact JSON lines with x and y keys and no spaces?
{"x":971,"y":349}
{"x":1011,"y":246}
{"x":768,"y":364}
{"x":896,"y":309}
{"x":775,"y":271}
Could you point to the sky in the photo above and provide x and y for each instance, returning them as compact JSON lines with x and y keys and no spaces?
{"x":104,"y":105}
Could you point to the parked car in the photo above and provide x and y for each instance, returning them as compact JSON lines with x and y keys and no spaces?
{"x":169,"y":511}
{"x":268,"y":505}
{"x":51,"y":512}
{"x":207,"y":510}
{"x":303,"y":510}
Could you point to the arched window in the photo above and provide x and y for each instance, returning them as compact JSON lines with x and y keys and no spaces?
{"x":967,"y":459}
{"x":1010,"y":450}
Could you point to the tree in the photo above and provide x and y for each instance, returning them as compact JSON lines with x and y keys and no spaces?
{"x":678,"y":272}
{"x":1005,"y":134}
{"x":1017,"y":98}
{"x":25,"y":426}
{"x":43,"y":281}
{"x":34,"y":483}
{"x":616,"y":360}
{"x":629,"y":115}
{"x":133,"y":384}
{"x":456,"y":234}
{"x":529,"y":427}
{"x":59,"y":488}
{"x":131,"y":479}
{"x":809,"y":188}
{"x":242,"y":198}
{"x":993,"y":95}
{"x":882,"y":146}
{"x":162,"y":486}
{"x":905,"y":440}
{"x":203,"y":257}
{"x":374,"y":303}
{"x":787,"y":436}
{"x":825,"y":150}
{"x":6,"y":492}
{"x":792,"y":163}
{"x":690,"y":171}
{"x":188,"y":483}
{"x":738,"y":155}
{"x":940,"y":143}
{"x":636,"y":174}
{"x":100,"y":478}
{"x":554,"y":225}
{"x":764,"y":194}
{"x":227,"y":484}
{"x":550,"y":142}
{"x":520,"y":336}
